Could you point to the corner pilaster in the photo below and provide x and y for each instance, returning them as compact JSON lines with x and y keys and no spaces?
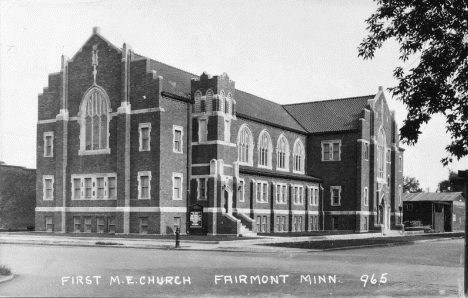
{"x":123,"y":150}
{"x":61,"y":146}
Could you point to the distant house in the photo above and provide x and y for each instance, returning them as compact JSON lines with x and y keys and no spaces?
{"x":443,"y":212}
{"x":17,"y":197}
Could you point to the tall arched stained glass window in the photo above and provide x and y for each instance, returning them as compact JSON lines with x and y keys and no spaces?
{"x":264,"y":149}
{"x":197,"y":98}
{"x":298,"y":156}
{"x":245,"y":146}
{"x":228,"y":107}
{"x":95,"y":121}
{"x":209,"y":100}
{"x":222,"y":101}
{"x":282,"y":155}
{"x":382,"y":140}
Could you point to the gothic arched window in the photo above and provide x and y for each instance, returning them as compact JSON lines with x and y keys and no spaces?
{"x":264,"y":149}
{"x":209,"y":100}
{"x":245,"y":145}
{"x":381,"y":151}
{"x":228,"y":107}
{"x":94,"y":120}
{"x":298,"y":156}
{"x":282,"y":153}
{"x":197,"y":98}
{"x":222,"y":99}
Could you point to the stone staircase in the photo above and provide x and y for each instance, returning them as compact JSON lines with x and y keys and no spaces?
{"x":247,"y":224}
{"x":393,"y":232}
{"x":245,"y":232}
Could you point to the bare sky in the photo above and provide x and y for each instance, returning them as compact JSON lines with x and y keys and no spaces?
{"x":286,"y":51}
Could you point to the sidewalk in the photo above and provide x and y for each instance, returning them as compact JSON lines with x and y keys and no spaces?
{"x":245,"y":245}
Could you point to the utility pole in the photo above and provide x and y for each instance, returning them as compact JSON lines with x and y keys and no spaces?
{"x":464,"y":174}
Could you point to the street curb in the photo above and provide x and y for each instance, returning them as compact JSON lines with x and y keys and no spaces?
{"x":245,"y":251}
{"x":437,"y":239}
{"x":182,"y":248}
{"x":300,"y":250}
{"x":85,"y":245}
{"x":187,"y":248}
{"x":57,"y":238}
{"x":381,"y":244}
{"x":365,"y":246}
{"x":6,"y":278}
{"x":257,"y":248}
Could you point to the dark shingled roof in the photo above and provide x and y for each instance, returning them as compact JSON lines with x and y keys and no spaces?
{"x":177,"y":81}
{"x":262,"y":109}
{"x":329,"y":115}
{"x":433,"y":196}
{"x":319,"y":116}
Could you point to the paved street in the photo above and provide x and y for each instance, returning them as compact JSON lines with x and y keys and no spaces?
{"x":422,"y":269}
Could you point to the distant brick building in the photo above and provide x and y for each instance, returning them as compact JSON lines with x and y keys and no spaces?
{"x":17,"y":197}
{"x":127,"y":144}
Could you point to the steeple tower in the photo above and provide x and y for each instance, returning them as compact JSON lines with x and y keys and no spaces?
{"x":214,"y":152}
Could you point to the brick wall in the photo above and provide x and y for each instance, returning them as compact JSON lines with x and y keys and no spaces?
{"x":335,"y":173}
{"x":17,"y":197}
{"x":143,"y":89}
{"x":171,"y":162}
{"x":256,"y":128}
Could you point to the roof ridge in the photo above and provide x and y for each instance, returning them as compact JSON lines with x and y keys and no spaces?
{"x":248,"y":94}
{"x":157,"y":61}
{"x":282,"y":106}
{"x":14,"y":166}
{"x":317,"y":101}
{"x":259,"y":97}
{"x":199,"y":76}
{"x":172,"y":66}
{"x":297,"y":121}
{"x":97,"y":33}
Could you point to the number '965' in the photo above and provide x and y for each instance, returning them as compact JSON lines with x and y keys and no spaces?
{"x":373,"y":279}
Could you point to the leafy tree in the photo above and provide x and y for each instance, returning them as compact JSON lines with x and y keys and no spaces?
{"x":411,"y":184}
{"x":444,"y":186}
{"x":436,"y":32}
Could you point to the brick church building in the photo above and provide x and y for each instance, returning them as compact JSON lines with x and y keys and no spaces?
{"x":127,"y":144}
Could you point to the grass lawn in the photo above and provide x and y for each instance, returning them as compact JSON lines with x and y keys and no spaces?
{"x":328,"y":244}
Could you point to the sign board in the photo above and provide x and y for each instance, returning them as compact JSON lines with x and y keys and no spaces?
{"x":196,"y":219}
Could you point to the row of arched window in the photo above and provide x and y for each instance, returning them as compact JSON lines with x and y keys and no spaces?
{"x":210,"y":103}
{"x":245,"y":144}
{"x":95,"y":126}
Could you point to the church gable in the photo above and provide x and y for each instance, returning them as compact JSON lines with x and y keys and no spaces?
{"x":379,"y":104}
{"x":97,"y":63}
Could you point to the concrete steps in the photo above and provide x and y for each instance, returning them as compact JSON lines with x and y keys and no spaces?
{"x":393,"y":232}
{"x":245,"y":232}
